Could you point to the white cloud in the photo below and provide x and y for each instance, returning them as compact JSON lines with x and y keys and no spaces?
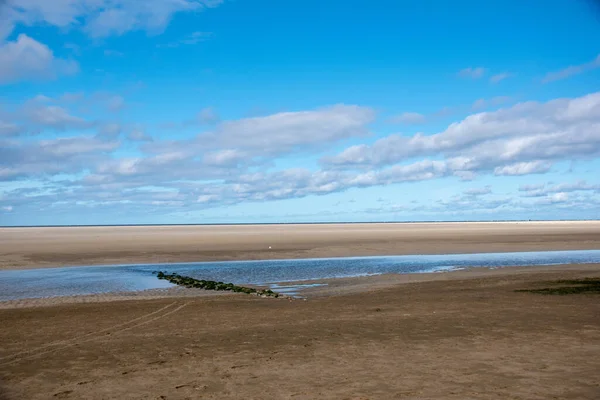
{"x":525,"y":138}
{"x":137,"y":134}
{"x":110,"y":130}
{"x":558,"y":197}
{"x":524,"y":168}
{"x":529,"y":188}
{"x":237,"y":161}
{"x":473,"y":73}
{"x":208,"y":115}
{"x":500,"y":77}
{"x":226,"y":157}
{"x":277,"y":134}
{"x":478,"y":191}
{"x":48,"y":157}
{"x":100,"y":18}
{"x":9,"y":129}
{"x":408,"y":118}
{"x":572,"y":70}
{"x":25,"y":58}
{"x":116,"y":103}
{"x":542,"y":190}
{"x":6,"y":208}
{"x":52,"y":116}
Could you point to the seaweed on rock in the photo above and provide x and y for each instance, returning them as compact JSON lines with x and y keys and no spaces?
{"x":189,"y":282}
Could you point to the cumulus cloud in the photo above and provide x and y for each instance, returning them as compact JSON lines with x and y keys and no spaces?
{"x":525,"y":138}
{"x":138,"y":134}
{"x":478,"y":191}
{"x":99,"y":18}
{"x":49,"y":157}
{"x":277,"y":134}
{"x":26,"y":58}
{"x":52,"y":116}
{"x":543,"y":190}
{"x":572,"y":70}
{"x":236,"y":161}
{"x":9,"y":129}
{"x":524,"y":168}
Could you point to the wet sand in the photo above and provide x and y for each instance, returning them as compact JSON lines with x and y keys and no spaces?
{"x":51,"y":247}
{"x":458,"y":335}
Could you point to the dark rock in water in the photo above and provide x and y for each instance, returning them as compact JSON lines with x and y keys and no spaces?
{"x":189,"y":282}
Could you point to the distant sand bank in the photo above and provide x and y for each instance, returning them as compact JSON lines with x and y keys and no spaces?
{"x":51,"y":247}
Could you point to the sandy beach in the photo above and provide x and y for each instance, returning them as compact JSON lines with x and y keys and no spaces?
{"x":52,"y":247}
{"x":455,"y":335}
{"x":458,"y":335}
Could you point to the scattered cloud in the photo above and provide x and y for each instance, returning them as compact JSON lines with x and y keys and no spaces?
{"x":138,"y":134}
{"x":115,"y":103}
{"x":543,"y":190}
{"x":48,"y":157}
{"x":46,"y":116}
{"x":572,"y":70}
{"x":524,"y":168}
{"x":99,"y":18}
{"x":234,"y":162}
{"x":478,"y":191}
{"x":411,"y":118}
{"x":279,"y":133}
{"x":25,"y":58}
{"x":525,"y":138}
{"x":208,"y":115}
{"x":110,"y":130}
{"x":9,"y":129}
{"x":500,"y":77}
{"x":473,"y":73}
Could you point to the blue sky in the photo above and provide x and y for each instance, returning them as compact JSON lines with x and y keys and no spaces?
{"x":210,"y":111}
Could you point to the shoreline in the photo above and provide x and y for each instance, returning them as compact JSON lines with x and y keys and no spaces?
{"x":184,"y":263}
{"x":342,"y":286}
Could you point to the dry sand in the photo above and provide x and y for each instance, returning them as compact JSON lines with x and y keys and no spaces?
{"x":49,"y":247}
{"x":457,"y":335}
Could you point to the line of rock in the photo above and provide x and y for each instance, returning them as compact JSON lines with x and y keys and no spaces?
{"x":190,"y":282}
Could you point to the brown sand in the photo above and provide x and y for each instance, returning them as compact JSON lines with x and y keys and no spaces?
{"x":49,"y":247}
{"x":460,"y":335}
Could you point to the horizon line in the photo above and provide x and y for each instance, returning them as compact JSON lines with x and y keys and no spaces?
{"x":299,"y":223}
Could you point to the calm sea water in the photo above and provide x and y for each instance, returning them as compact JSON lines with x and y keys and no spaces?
{"x":69,"y":281}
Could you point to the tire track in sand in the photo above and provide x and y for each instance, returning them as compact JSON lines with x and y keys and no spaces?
{"x":92,"y":335}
